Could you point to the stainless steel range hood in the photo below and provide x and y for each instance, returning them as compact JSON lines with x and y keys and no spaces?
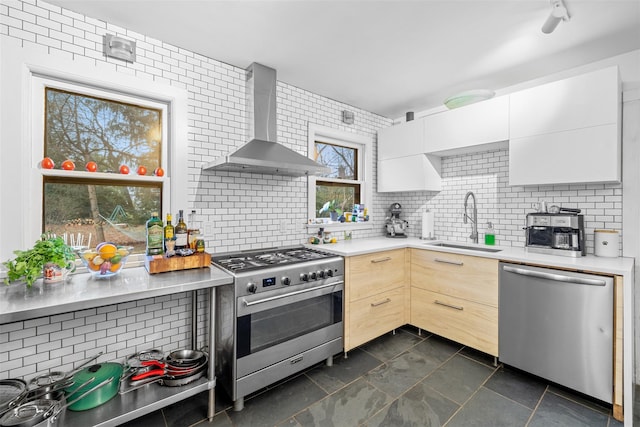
{"x":262,"y":154}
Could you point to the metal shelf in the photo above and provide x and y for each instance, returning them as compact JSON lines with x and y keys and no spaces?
{"x":128,"y":406}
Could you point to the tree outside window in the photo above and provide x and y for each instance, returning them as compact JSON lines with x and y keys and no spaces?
{"x":342,"y":184}
{"x":111,"y":133}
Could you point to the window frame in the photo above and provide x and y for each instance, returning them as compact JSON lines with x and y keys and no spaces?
{"x":364,"y":146}
{"x":39,"y":86}
{"x":20,"y":162}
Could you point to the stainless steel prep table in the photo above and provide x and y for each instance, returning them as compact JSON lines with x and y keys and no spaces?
{"x":18,"y":303}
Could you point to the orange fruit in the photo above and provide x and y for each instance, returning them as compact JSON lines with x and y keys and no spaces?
{"x":114,"y":267}
{"x":107,"y":251}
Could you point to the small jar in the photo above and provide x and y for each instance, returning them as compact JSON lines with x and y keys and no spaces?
{"x":199,"y":245}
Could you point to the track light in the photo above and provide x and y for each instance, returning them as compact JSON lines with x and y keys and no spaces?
{"x":558,"y":13}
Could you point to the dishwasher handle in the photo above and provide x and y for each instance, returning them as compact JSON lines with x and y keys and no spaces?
{"x":554,"y":276}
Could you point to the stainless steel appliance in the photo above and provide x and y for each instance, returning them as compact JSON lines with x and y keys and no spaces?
{"x":558,"y":325}
{"x":395,"y":226}
{"x":555,"y":233}
{"x":283,"y":313}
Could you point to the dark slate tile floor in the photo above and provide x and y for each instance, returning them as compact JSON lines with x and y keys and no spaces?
{"x":400,"y":379}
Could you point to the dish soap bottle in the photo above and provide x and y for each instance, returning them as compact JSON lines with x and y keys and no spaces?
{"x":489,"y":235}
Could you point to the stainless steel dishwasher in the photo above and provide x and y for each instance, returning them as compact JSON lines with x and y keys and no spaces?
{"x":558,"y":325}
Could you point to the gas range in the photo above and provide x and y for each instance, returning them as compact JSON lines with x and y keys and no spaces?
{"x":264,"y":270}
{"x":283,"y":314}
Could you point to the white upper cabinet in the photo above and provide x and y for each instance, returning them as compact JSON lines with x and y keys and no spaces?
{"x":402,"y":162}
{"x":468,"y":128}
{"x":567,"y":131}
{"x":420,"y":172}
{"x":405,"y":139}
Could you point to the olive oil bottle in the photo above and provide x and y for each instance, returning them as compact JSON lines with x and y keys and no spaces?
{"x":155,"y":235}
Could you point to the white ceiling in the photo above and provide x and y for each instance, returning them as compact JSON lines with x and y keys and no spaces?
{"x":388,"y":56}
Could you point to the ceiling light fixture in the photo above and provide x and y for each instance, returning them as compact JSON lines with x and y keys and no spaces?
{"x":117,"y":47}
{"x":558,"y":13}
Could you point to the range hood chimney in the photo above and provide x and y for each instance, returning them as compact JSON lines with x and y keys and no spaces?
{"x":262,"y":154}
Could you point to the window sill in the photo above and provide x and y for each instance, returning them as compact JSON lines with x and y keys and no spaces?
{"x":101,"y":175}
{"x":341,"y":226}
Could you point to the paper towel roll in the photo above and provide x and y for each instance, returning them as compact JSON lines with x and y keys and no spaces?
{"x":427,"y":225}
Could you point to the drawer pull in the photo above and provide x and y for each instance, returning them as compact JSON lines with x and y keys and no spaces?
{"x":388,"y":258}
{"x":375,"y":304}
{"x":448,"y":261}
{"x":457,"y":307}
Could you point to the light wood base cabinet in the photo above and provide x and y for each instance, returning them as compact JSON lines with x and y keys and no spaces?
{"x":456,"y":296}
{"x":376,"y":295}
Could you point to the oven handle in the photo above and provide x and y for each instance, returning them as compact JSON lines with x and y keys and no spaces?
{"x":260,"y":301}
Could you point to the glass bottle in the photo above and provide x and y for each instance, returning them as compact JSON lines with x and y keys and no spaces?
{"x":155,"y":235}
{"x":181,"y":232}
{"x":169,"y":236}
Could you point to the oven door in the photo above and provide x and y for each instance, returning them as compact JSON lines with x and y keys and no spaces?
{"x":273,"y":326}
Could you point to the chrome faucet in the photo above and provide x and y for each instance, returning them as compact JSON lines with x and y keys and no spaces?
{"x":474,"y":220}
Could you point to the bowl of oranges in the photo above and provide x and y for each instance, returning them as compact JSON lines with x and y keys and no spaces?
{"x":106,"y":260}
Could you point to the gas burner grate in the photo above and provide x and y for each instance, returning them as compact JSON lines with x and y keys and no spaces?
{"x":255,"y":260}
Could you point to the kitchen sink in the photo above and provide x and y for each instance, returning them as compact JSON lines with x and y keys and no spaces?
{"x":466,"y":247}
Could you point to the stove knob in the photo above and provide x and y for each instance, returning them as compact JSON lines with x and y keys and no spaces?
{"x":304,"y":277}
{"x":328,"y":273}
{"x":285,"y":281}
{"x":313,"y":276}
{"x":252,"y":288}
{"x":320,"y":274}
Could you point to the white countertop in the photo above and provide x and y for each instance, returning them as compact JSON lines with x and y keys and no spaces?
{"x":590,"y":263}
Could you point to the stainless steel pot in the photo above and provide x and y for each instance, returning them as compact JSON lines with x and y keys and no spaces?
{"x":12,"y":392}
{"x":42,"y":412}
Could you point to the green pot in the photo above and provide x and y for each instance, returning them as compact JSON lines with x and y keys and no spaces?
{"x":90,"y":377}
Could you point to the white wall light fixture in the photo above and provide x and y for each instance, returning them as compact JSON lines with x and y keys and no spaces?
{"x":117,"y":47}
{"x":558,"y":13}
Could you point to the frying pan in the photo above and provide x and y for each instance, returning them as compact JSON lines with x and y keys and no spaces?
{"x":185,"y":357}
{"x":163,"y":369}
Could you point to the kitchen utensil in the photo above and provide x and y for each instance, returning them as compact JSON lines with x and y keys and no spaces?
{"x":180,"y":380}
{"x":99,"y":372}
{"x":554,"y":209}
{"x":43,"y":412}
{"x":185,"y":357}
{"x":162,"y":369}
{"x":11,"y":392}
{"x":54,"y":379}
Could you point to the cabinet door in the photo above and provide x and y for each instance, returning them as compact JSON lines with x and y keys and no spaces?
{"x":583,"y":101}
{"x":462,"y":276}
{"x":468,"y":127}
{"x":372,"y":274}
{"x":405,"y":139}
{"x":413,"y":173}
{"x":468,"y":323}
{"x":576,"y":156}
{"x":374,"y":316}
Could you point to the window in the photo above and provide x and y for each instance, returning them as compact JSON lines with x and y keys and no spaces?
{"x":90,"y":125}
{"x":341,"y":187}
{"x":27,"y":73}
{"x":348,"y":156}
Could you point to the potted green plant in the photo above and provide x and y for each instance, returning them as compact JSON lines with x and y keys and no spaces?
{"x":30,"y":264}
{"x":333,"y":209}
